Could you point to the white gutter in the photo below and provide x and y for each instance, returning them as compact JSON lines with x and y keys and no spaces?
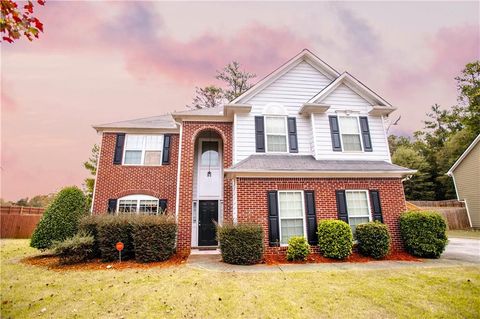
{"x":283,"y":173}
{"x":96,"y":174}
{"x":177,"y":195}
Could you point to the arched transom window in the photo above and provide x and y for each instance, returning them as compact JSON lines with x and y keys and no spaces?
{"x":138,"y":204}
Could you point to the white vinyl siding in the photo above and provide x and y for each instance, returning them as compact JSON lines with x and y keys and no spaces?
{"x":291,"y":90}
{"x":143,"y":150}
{"x":291,"y":215}
{"x":340,"y":100}
{"x":358,"y":208}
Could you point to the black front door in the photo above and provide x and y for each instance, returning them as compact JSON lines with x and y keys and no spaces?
{"x":208,"y":216}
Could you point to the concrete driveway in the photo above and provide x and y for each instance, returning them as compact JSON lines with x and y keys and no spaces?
{"x":463,"y":249}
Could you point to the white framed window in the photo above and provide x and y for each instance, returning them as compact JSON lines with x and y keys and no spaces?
{"x":358,"y":208}
{"x":276,"y":134}
{"x":291,"y":210}
{"x":144,"y":204}
{"x":143,"y":150}
{"x":350,"y":133}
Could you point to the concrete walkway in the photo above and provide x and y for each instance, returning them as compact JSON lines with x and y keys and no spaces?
{"x":459,"y":252}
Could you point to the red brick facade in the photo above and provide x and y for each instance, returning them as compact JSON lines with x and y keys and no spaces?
{"x":114,"y":181}
{"x":190,"y":133}
{"x":252,"y":204}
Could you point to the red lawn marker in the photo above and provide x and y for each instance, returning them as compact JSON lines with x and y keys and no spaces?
{"x":119,"y":247}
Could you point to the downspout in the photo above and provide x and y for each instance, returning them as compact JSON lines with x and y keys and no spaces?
{"x":177,"y":197}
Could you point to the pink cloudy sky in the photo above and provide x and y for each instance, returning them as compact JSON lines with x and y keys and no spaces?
{"x":101,"y":62}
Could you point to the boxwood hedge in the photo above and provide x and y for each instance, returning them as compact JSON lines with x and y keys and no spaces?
{"x":423,"y":233}
{"x":298,"y":248}
{"x":154,"y":238}
{"x":112,"y":229}
{"x":88,"y":225}
{"x":335,"y":239}
{"x":373,"y":239}
{"x":76,"y":249}
{"x":241,"y":244}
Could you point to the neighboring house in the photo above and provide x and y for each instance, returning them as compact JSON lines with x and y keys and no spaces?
{"x":305,"y":143}
{"x":466,"y":177}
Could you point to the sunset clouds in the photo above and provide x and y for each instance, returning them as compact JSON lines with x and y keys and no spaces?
{"x":108,"y":61}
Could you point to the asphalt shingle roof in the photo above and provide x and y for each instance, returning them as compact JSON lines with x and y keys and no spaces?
{"x":271,"y":162}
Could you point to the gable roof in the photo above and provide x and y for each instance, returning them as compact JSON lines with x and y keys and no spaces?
{"x":164,"y":122}
{"x":354,"y":84}
{"x":465,"y":154}
{"x":304,"y":55}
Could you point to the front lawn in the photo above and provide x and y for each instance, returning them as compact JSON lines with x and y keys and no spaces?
{"x":182,"y":292}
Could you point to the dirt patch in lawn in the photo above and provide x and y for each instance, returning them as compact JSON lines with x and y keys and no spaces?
{"x":353,"y":258}
{"x":52,"y":262}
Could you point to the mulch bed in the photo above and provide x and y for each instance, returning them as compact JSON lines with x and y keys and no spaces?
{"x":353,"y":258}
{"x":52,"y":262}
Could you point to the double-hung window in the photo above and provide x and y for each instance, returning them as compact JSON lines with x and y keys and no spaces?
{"x":351,"y":138}
{"x":291,"y":215}
{"x":276,"y":133}
{"x":358,"y":207}
{"x":138,"y":204}
{"x":143,"y":149}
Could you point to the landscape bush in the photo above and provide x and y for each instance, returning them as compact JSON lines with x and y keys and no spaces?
{"x":60,"y":219}
{"x":298,"y":248}
{"x":88,"y":225}
{"x":241,"y":244}
{"x":154,"y":238}
{"x":423,"y":233}
{"x":335,"y":239}
{"x":75,"y":249}
{"x":373,"y":239}
{"x":112,"y":229}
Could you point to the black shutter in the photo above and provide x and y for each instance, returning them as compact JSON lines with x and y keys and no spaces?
{"x":335,"y":132}
{"x":166,"y":149}
{"x":311,"y":218}
{"x":259,"y":134}
{"x":162,"y":204}
{"x":292,"y":134}
{"x":367,"y":142}
{"x":376,"y":206}
{"x":117,"y":158}
{"x":112,"y":206}
{"x":342,"y":205}
{"x":273,"y":231}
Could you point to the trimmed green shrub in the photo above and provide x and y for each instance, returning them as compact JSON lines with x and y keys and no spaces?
{"x":241,"y":244}
{"x":373,"y":239}
{"x":60,"y":219}
{"x":423,"y":233}
{"x":76,"y":249}
{"x":113,"y":229}
{"x":335,"y":239}
{"x":154,"y":238}
{"x":298,"y":248}
{"x":88,"y":225}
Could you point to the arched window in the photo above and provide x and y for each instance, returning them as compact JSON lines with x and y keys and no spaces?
{"x":276,"y":128}
{"x":144,"y":204}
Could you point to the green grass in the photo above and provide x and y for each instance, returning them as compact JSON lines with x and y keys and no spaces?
{"x":475,"y":234}
{"x":182,"y":292}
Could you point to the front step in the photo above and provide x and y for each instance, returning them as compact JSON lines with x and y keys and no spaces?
{"x":205,"y":250}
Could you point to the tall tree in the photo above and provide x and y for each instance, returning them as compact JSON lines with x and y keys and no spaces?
{"x":237,"y":80}
{"x":16,"y":22}
{"x":468,"y":84}
{"x":207,"y":97}
{"x":91,"y":165}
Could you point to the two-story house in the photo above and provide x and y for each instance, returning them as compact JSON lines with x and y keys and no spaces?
{"x":305,"y":143}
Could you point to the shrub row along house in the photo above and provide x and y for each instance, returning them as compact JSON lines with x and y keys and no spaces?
{"x":305,"y":143}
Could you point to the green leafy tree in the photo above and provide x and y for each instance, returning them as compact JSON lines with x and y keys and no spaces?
{"x":468,"y":84}
{"x":419,"y":186}
{"x":91,"y":165}
{"x":41,"y":200}
{"x":60,"y":219}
